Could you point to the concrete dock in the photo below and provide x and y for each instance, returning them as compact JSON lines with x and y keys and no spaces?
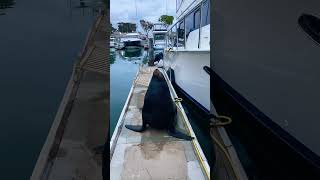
{"x":73,"y":149}
{"x":153,"y":154}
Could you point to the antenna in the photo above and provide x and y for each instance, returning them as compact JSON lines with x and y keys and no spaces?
{"x":166,"y":7}
{"x":135,"y":4}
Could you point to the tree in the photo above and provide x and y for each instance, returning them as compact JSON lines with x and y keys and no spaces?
{"x":166,"y":20}
{"x":126,"y":27}
{"x":146,"y":26}
{"x":112,"y":28}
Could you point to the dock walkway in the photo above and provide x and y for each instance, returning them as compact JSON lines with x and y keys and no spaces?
{"x":73,"y":146}
{"x":153,"y":154}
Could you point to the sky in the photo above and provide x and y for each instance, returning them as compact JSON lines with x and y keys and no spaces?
{"x":150,"y":10}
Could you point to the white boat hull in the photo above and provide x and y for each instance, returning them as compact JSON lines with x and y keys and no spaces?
{"x":189,"y":74}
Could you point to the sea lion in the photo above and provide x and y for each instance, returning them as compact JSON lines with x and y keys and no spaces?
{"x":159,"y":111}
{"x":156,"y":59}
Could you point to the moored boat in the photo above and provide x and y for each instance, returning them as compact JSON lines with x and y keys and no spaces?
{"x":265,"y":64}
{"x":188,"y":51}
{"x":112,"y":42}
{"x":159,"y":31}
{"x":132,"y":41}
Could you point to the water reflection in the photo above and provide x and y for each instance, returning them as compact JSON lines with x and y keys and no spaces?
{"x":112,"y":56}
{"x":85,"y":7}
{"x":138,"y":55}
{"x":131,"y":53}
{"x":5,"y":4}
{"x":124,"y":67}
{"x":39,"y":43}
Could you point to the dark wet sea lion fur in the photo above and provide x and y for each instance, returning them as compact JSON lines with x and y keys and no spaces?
{"x":159,"y":110}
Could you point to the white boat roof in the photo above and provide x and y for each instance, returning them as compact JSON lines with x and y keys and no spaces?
{"x":133,"y":34}
{"x":130,"y":39}
{"x":159,"y":32}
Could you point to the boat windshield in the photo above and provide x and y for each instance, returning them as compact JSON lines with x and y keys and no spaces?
{"x":159,"y":27}
{"x":159,"y":36}
{"x":133,"y":36}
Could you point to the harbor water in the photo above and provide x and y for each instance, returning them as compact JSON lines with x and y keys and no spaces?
{"x":39,"y":41}
{"x":123,"y":69}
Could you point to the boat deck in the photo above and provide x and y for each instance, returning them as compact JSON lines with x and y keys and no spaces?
{"x":152,"y":154}
{"x":73,"y":149}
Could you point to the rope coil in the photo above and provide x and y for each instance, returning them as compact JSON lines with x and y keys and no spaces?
{"x":219,"y":120}
{"x":177,"y":99}
{"x":215,"y":122}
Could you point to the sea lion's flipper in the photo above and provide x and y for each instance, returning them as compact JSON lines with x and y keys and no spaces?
{"x":174,"y":133}
{"x":136,"y":128}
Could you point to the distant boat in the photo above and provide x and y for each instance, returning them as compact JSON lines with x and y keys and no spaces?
{"x":119,"y":43}
{"x":112,"y":42}
{"x":132,"y":41}
{"x":159,"y":32}
{"x":145,"y":41}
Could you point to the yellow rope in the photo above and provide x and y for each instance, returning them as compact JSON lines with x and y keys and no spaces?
{"x":227,"y":120}
{"x":193,"y":142}
{"x":177,"y":99}
{"x":226,"y":154}
{"x":216,"y":123}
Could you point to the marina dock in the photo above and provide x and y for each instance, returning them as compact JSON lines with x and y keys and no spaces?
{"x":73,"y":149}
{"x":153,"y":154}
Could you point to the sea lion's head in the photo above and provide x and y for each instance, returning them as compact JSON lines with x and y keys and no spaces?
{"x":158,"y":75}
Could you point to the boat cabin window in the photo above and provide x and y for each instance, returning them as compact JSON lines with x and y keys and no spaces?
{"x":205,"y":13}
{"x":168,"y":39}
{"x":192,"y":22}
{"x":159,"y":27}
{"x":159,"y":37}
{"x":197,"y":19}
{"x":181,"y":31}
{"x":172,"y":37}
{"x":189,"y":24}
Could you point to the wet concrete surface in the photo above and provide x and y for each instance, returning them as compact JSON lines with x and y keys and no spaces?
{"x":85,"y":132}
{"x":152,"y":154}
